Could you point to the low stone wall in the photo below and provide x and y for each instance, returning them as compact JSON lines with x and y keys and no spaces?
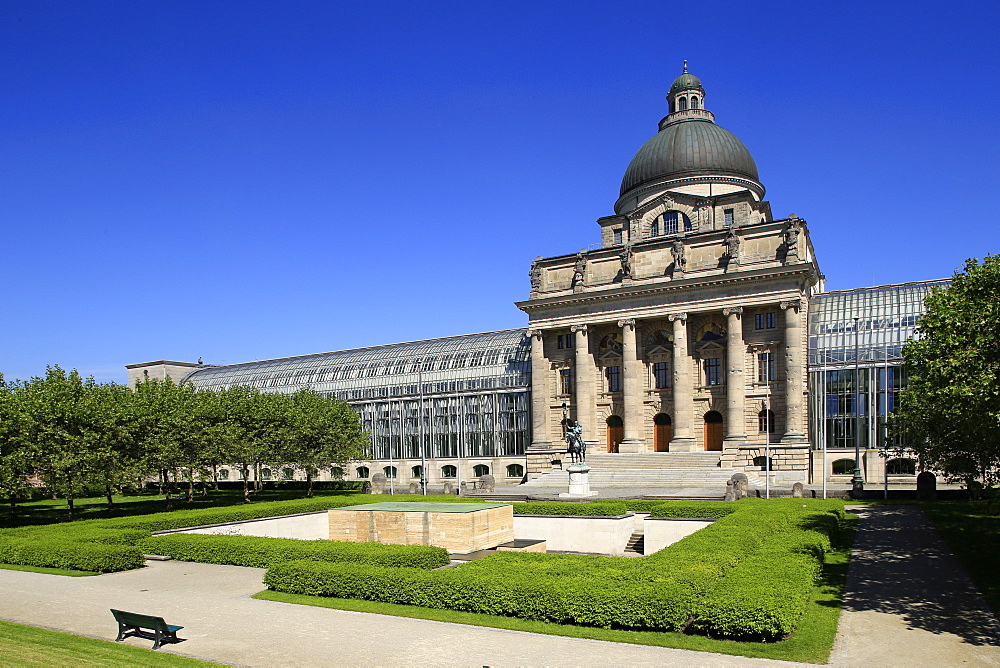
{"x":659,"y":532}
{"x":304,"y":526}
{"x":564,"y":533}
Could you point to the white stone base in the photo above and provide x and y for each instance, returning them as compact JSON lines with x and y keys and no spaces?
{"x":579,"y":482}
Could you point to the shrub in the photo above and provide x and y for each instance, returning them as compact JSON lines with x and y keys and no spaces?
{"x":260,"y":552}
{"x":70,"y":555}
{"x":683,"y":509}
{"x":591,"y":509}
{"x":747,"y":575}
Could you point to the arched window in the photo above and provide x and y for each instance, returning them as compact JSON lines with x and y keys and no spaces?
{"x":654,"y":229}
{"x":616,"y":432}
{"x":843,"y":467}
{"x":223,"y":474}
{"x":663,"y":432}
{"x":901,"y":467}
{"x":449,"y":471}
{"x":765,"y":421}
{"x":515,"y":471}
{"x":337,"y":473}
{"x":682,"y":104}
{"x":713,"y":430}
{"x":416,"y":471}
{"x":480,"y":470}
{"x":361,"y":472}
{"x":265,"y":474}
{"x":694,"y":101}
{"x":670,"y":219}
{"x":287,"y":474}
{"x":389,"y":471}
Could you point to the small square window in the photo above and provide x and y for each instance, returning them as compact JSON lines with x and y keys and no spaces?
{"x":728,"y":213}
{"x":765,"y":320}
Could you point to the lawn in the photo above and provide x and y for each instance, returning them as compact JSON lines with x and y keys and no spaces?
{"x":31,"y":646}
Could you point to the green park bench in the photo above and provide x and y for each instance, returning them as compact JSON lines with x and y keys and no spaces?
{"x":131,"y":623}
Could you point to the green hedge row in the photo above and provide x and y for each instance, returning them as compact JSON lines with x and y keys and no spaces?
{"x":747,"y":575}
{"x":260,"y":552}
{"x":704,"y":510}
{"x":70,"y":555}
{"x":87,"y":533}
{"x":592,"y":509}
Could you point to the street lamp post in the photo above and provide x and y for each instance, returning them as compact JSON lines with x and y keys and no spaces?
{"x":858,"y":482}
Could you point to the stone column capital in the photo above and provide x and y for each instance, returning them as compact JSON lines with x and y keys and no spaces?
{"x":536,"y":334}
{"x":627,"y":322}
{"x":673,"y":317}
{"x":579,"y":329}
{"x":733,"y":310}
{"x":791,"y":304}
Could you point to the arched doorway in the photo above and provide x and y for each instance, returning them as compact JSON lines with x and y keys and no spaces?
{"x":616,"y":433}
{"x":713,"y":430}
{"x":663,"y":431}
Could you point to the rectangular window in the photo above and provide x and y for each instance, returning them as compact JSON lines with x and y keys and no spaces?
{"x":614,"y":374}
{"x":566,"y":341}
{"x":728,"y":213}
{"x":765,"y":367}
{"x":565,"y":381}
{"x":765,"y":320}
{"x":618,"y":236}
{"x":713,"y":372}
{"x":661,"y":375}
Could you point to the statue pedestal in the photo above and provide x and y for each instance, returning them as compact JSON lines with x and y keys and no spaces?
{"x":579,"y":482}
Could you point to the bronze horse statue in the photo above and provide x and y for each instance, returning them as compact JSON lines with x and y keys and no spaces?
{"x":576,"y":448}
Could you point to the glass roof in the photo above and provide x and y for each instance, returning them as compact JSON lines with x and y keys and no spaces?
{"x":487,"y":361}
{"x":887,"y":317}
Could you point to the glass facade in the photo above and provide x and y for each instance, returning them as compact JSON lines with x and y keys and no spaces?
{"x":856,"y":370}
{"x":461,"y":396}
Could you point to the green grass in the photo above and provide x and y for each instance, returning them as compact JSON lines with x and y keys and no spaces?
{"x":811,"y":642}
{"x":972,"y":531}
{"x":48,"y":571}
{"x":30,"y":646}
{"x":51,"y":511}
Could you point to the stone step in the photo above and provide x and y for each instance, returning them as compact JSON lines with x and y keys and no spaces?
{"x":666,"y":478}
{"x":658,"y":460}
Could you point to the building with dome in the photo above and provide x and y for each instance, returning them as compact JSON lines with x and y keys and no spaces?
{"x":697,"y":334}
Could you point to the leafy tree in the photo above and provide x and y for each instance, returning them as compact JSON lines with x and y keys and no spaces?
{"x":321,"y":432}
{"x":16,"y":456}
{"x":949,"y":412}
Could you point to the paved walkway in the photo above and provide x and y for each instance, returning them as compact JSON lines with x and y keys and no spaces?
{"x":909,"y":604}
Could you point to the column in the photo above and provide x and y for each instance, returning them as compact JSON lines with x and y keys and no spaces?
{"x":583,"y":375}
{"x":683,"y":440}
{"x":735,"y":380}
{"x":631,"y":389}
{"x":794,"y":372}
{"x":539,"y":390}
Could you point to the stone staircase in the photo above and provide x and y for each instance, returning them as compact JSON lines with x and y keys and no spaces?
{"x":636,"y":543}
{"x":679,"y":472}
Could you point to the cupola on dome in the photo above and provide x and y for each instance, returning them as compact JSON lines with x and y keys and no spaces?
{"x":690,"y":145}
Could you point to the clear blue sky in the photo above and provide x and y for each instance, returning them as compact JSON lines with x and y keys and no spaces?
{"x":248,"y":180}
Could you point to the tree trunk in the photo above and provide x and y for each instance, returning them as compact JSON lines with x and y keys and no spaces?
{"x":13,"y":506}
{"x":190,"y":491}
{"x":215,"y":476}
{"x":246,"y":485}
{"x":107,"y":493}
{"x":69,"y":505}
{"x":168,"y":488}
{"x":309,"y":482}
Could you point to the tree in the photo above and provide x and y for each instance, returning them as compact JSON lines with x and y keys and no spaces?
{"x":949,"y":411}
{"x":16,"y":456}
{"x":321,"y":432}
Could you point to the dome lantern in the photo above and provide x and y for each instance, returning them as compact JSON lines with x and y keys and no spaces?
{"x":686,"y":92}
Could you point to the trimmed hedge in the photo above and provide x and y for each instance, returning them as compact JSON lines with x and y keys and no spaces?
{"x":706,"y":510}
{"x":747,"y":575}
{"x":596,"y":508}
{"x":70,"y":555}
{"x":260,"y":552}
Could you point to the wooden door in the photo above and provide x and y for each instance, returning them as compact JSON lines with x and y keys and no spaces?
{"x":713,"y":431}
{"x":616,"y":433}
{"x":663,"y":432}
